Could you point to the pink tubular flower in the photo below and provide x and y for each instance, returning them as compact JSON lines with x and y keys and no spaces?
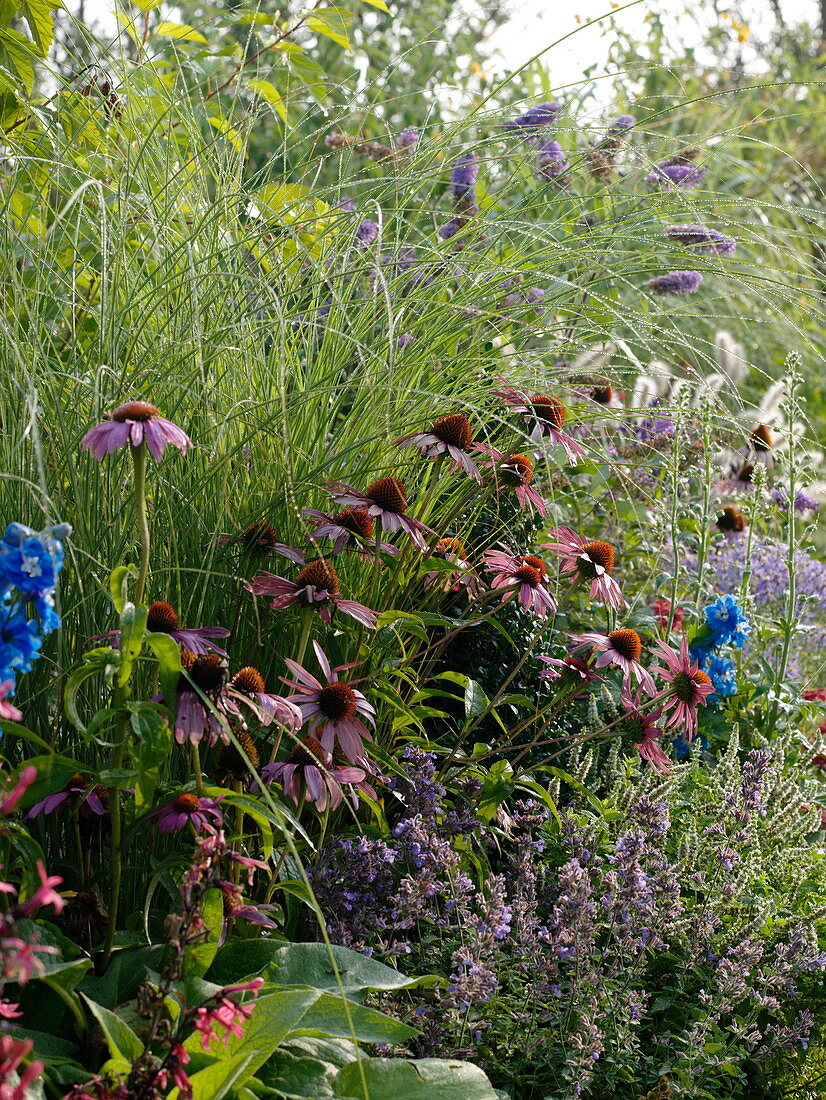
{"x":622,"y":648}
{"x":309,"y":772}
{"x":662,"y":609}
{"x":10,"y":798}
{"x":689,"y":686}
{"x":226,"y":1013}
{"x":186,"y":808}
{"x":136,"y":422}
{"x":45,"y":894}
{"x":351,"y":528}
{"x":332,"y":707}
{"x":642,"y":731}
{"x":12,"y":1053}
{"x":7,"y":710}
{"x":385,"y":500}
{"x":517,"y":471}
{"x":317,"y":585}
{"x":589,"y":561}
{"x":544,"y":417}
{"x":448,"y":435}
{"x":525,"y":577}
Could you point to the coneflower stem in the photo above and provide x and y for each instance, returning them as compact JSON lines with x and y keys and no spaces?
{"x":139,"y":460}
{"x":195,"y":756}
{"x":306,"y":625}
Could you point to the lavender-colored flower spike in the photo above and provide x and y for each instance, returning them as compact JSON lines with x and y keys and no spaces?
{"x":623,"y":123}
{"x":463,"y":176}
{"x":675,"y":282}
{"x":535,"y":120}
{"x":367,"y":233}
{"x":408,"y":140}
{"x":700,"y":239}
{"x":682,"y":176}
{"x":551,"y":164}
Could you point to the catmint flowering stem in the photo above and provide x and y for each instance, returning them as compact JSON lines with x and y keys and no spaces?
{"x":139,"y":460}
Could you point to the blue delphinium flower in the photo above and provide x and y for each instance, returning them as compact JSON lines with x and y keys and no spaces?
{"x":723,"y":674}
{"x":20,"y":641}
{"x":32,"y":567}
{"x":727,"y":623}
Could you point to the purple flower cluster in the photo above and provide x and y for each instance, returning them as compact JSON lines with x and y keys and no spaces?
{"x":551,"y":163}
{"x":684,"y":177}
{"x":675,"y":282}
{"x":535,"y":120}
{"x":463,"y":178}
{"x":699,"y":239}
{"x":602,"y":156}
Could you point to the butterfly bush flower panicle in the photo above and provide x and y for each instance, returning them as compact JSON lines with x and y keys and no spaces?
{"x":316,"y":586}
{"x":544,"y":416}
{"x":516,"y":471}
{"x":688,"y":686}
{"x":385,"y":500}
{"x":699,"y":239}
{"x":136,"y":423}
{"x":350,"y":529}
{"x":622,"y":648}
{"x":523,"y":577}
{"x":675,"y":282}
{"x":449,"y":435}
{"x":552,"y":165}
{"x":535,"y":121}
{"x":334,"y":707}
{"x":590,"y":561}
{"x":682,"y":177}
{"x":201,"y":813}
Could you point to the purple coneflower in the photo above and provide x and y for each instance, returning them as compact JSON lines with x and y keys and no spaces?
{"x":700,"y":239}
{"x":516,"y":471}
{"x":688,"y":686}
{"x":622,"y":648}
{"x":260,"y":537}
{"x":570,"y":671}
{"x":682,"y":176}
{"x":675,"y":282}
{"x":588,"y":560}
{"x":544,"y":416}
{"x":525,"y":576}
{"x":464,"y":576}
{"x":186,"y":808}
{"x":551,"y":164}
{"x":386,"y":500}
{"x":353,"y":528}
{"x":332,"y":707}
{"x":94,"y":800}
{"x":136,"y":422}
{"x":317,"y":586}
{"x":447,"y":435}
{"x":641,"y":730}
{"x":162,"y":618}
{"x":309,"y":772}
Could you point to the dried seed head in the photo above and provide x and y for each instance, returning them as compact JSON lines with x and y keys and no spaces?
{"x":454,"y":429}
{"x":134,"y":410}
{"x":249,"y":680}
{"x":187,"y":659}
{"x":319,"y":574}
{"x":209,"y":672}
{"x":746,"y":473}
{"x":337,"y":701}
{"x":357,"y":520}
{"x":602,"y":395}
{"x":627,"y":643}
{"x":389,"y":493}
{"x":731,"y":519}
{"x":162,"y":618}
{"x":548,"y":410}
{"x":517,"y":469}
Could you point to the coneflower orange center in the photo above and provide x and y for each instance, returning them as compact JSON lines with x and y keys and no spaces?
{"x":162,"y":618}
{"x":319,"y":574}
{"x":234,"y":763}
{"x":389,"y":493}
{"x":249,"y":680}
{"x":450,"y":548}
{"x":761,"y":438}
{"x":548,"y":410}
{"x":259,"y":535}
{"x":684,"y":683}
{"x":627,"y":643}
{"x":357,"y":520}
{"x":537,"y":563}
{"x":517,"y":468}
{"x":745,"y":472}
{"x":308,"y":751}
{"x":134,"y":410}
{"x":454,"y":429}
{"x":595,"y":553}
{"x":208,"y":672}
{"x":602,"y":395}
{"x":731,"y":519}
{"x":337,"y":701}
{"x":526,"y":574}
{"x":186,"y":803}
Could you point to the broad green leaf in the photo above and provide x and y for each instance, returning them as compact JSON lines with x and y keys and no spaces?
{"x":118,"y":582}
{"x":475,"y":700}
{"x":121,"y":1040}
{"x":147,"y":5}
{"x":154,"y":745}
{"x":168,"y":655}
{"x":422,"y":1079}
{"x":229,"y":132}
{"x":380,"y":4}
{"x":16,"y":730}
{"x":38,"y":15}
{"x":334,"y":1017}
{"x":181,"y":31}
{"x":132,"y":631}
{"x":17,"y":58}
{"x":271,"y":94}
{"x":214,"y":1082}
{"x":128,"y":25}
{"x":105,"y":660}
{"x":331,"y":25}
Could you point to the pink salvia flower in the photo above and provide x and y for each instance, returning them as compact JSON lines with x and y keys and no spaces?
{"x":333,"y":708}
{"x":544,"y":417}
{"x":622,"y":648}
{"x":9,"y":799}
{"x":136,"y":422}
{"x":12,"y":1053}
{"x":516,"y":471}
{"x":226,"y":1013}
{"x":523,"y":577}
{"x":590,"y":561}
{"x":688,"y":686}
{"x":45,"y":893}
